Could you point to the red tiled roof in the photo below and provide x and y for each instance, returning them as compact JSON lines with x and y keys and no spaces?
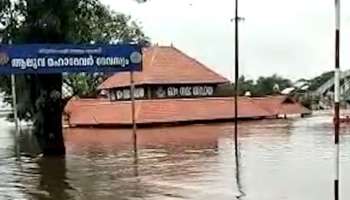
{"x":95,"y":112}
{"x":83,"y":113}
{"x":75,"y":103}
{"x":166,"y":65}
{"x":160,"y":111}
{"x":177,"y":110}
{"x":280,"y":105}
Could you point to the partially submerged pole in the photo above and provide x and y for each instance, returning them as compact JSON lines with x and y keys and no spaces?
{"x":337,"y":98}
{"x":14,"y":110}
{"x":13,"y":93}
{"x":14,"y":100}
{"x":15,"y":116}
{"x":236,"y":80}
{"x":237,"y":18}
{"x":133,"y":120}
{"x":13,"y":80}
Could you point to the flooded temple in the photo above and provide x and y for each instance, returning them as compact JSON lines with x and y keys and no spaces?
{"x":173,"y":88}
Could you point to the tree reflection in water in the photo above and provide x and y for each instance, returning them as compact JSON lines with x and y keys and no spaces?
{"x":48,"y":173}
{"x":190,"y":163}
{"x":178,"y":162}
{"x":53,"y":178}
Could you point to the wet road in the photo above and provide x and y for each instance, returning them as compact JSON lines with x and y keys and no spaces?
{"x":280,"y":160}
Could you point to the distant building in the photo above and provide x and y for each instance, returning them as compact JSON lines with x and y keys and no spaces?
{"x":287,"y":91}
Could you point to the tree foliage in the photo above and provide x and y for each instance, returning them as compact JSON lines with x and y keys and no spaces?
{"x":261,"y":87}
{"x":266,"y":85}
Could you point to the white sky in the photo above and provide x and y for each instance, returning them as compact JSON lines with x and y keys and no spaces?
{"x":293,"y":38}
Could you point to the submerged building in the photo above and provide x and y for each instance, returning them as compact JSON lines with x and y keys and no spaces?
{"x":167,"y":73}
{"x":172,"y":88}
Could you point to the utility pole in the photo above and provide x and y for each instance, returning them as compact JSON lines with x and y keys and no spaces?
{"x":236,"y":79}
{"x":337,"y":98}
{"x":132,"y":98}
{"x":237,"y":19}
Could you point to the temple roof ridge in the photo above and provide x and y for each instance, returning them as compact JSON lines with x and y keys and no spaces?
{"x":164,"y":65}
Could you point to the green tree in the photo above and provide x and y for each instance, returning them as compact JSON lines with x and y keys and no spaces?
{"x":98,"y":24}
{"x":266,"y":85}
{"x":244,"y":85}
{"x":262,"y":87}
{"x":57,"y":21}
{"x":83,"y":85}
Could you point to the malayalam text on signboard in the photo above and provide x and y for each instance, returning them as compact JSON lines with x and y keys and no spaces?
{"x":59,"y":58}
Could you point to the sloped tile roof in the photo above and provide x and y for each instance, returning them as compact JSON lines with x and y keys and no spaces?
{"x":97,"y":112}
{"x":280,"y":105}
{"x":166,"y":65}
{"x":177,"y":110}
{"x":160,"y":111}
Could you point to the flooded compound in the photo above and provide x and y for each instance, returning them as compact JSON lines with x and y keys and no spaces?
{"x":280,"y":160}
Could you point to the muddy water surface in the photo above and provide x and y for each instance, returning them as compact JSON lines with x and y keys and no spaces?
{"x":279,"y":160}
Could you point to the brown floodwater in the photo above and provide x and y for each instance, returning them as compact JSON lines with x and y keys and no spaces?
{"x":279,"y":160}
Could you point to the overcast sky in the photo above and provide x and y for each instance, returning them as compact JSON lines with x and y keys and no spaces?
{"x":293,"y":38}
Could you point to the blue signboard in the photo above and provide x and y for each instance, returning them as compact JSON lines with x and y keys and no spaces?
{"x":59,"y":58}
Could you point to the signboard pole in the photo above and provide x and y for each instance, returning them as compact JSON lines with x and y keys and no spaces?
{"x":14,"y":97}
{"x":14,"y":110}
{"x":134,"y":127}
{"x":14,"y":100}
{"x":15,"y":116}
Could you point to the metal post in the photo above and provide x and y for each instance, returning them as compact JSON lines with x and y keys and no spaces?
{"x":337,"y":99}
{"x":236,"y":79}
{"x":14,"y":109}
{"x":13,"y":90}
{"x":14,"y":100}
{"x":14,"y":97}
{"x":134,"y":127}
